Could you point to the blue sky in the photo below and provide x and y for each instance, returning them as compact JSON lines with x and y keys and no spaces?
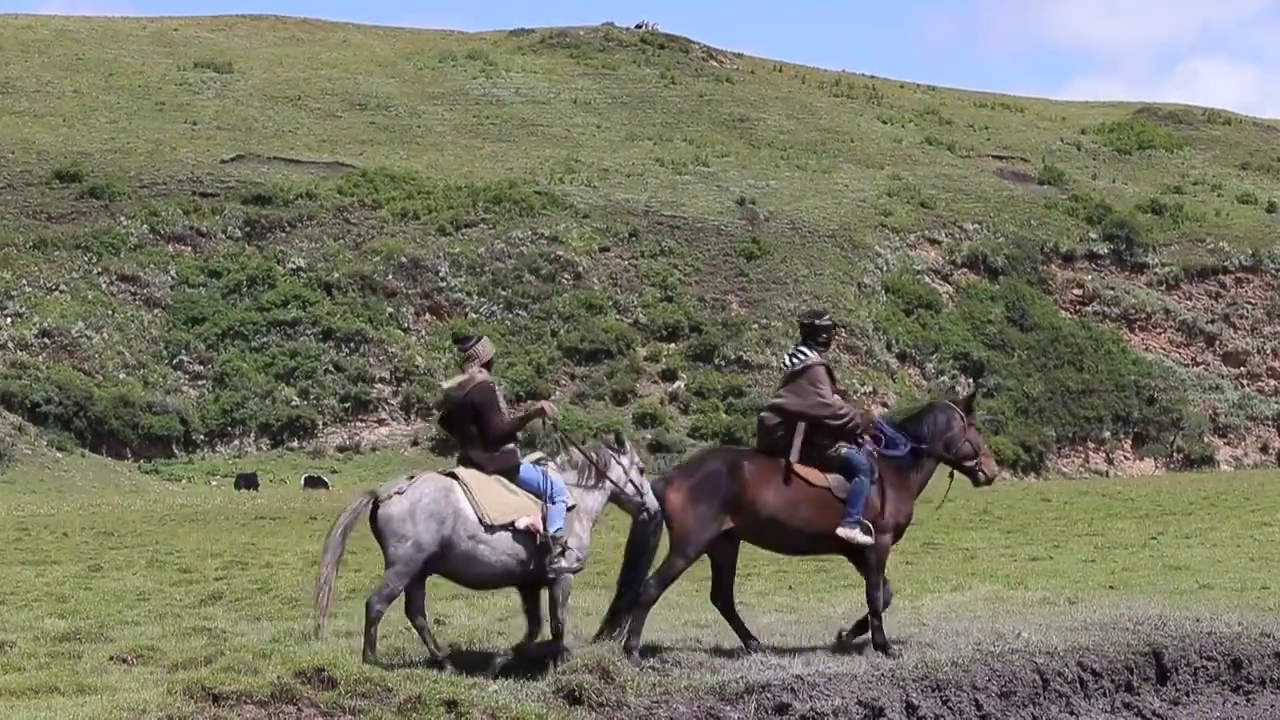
{"x":1222,"y":53}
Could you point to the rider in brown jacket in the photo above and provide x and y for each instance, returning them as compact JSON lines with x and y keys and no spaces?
{"x":808,"y":394}
{"x":475,"y":414}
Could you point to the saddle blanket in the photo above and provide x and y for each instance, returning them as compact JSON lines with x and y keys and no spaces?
{"x":497,"y":502}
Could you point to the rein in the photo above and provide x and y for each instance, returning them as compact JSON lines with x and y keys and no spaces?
{"x":560,"y":433}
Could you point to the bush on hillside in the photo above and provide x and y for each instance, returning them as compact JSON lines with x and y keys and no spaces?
{"x":116,"y":420}
{"x":273,"y":327}
{"x":8,"y":453}
{"x":1050,"y":380}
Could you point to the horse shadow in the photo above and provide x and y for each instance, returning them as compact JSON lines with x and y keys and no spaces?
{"x":530,"y":665}
{"x":859,"y":647}
{"x":539,"y":661}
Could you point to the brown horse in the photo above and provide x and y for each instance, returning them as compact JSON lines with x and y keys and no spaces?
{"x":724,"y":496}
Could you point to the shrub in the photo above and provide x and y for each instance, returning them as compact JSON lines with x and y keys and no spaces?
{"x":118,"y":420}
{"x":1131,"y":136}
{"x":650,"y":414}
{"x":69,"y":174}
{"x":1052,"y":380}
{"x":1052,"y":175}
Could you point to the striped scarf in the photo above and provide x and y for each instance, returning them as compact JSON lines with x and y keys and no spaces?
{"x":797,"y":356}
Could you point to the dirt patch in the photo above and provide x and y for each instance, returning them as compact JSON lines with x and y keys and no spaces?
{"x":1215,"y":676}
{"x":276,"y":706}
{"x":1016,"y":176}
{"x":328,"y":167}
{"x":1220,"y":324}
{"x":1116,"y":458}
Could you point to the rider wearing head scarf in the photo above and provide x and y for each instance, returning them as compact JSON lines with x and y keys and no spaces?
{"x":808,"y":393}
{"x":474,"y":413}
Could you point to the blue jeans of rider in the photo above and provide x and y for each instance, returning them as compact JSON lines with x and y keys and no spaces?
{"x":856,"y":468}
{"x":541,"y":481}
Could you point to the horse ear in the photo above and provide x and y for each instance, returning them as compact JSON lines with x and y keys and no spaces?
{"x":966,"y":403}
{"x":619,"y":441}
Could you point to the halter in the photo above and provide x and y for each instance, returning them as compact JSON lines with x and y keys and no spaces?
{"x":966,"y":465}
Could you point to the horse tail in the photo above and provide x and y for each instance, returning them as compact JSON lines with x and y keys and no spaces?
{"x":335,"y":545}
{"x":637,"y":557}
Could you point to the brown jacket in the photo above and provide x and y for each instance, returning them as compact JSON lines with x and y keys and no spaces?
{"x":473,"y":414}
{"x":808,"y":394}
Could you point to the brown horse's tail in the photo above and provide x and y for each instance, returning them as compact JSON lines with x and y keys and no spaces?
{"x":335,"y":545}
{"x":637,"y":558}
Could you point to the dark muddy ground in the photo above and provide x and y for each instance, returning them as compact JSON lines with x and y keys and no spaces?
{"x":1219,"y":675}
{"x":1082,"y":665}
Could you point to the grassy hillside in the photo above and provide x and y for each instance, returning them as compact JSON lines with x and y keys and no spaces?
{"x":236,"y":231}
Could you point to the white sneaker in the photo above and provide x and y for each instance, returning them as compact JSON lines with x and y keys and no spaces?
{"x":855,"y":535}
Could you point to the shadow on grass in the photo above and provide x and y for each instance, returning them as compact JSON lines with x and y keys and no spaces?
{"x":532,"y":664}
{"x":537,"y":662}
{"x":861,"y":646}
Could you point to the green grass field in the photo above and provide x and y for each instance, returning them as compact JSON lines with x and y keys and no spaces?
{"x":128,"y":595}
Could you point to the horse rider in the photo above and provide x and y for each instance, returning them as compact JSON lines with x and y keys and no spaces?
{"x":474,"y":413}
{"x":809,"y":421}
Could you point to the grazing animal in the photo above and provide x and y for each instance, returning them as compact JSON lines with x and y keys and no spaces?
{"x":724,"y":496}
{"x":425,"y":525}
{"x":246,"y":481}
{"x":312,"y":481}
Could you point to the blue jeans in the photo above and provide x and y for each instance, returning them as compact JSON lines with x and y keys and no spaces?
{"x":540,"y":481}
{"x":856,"y":468}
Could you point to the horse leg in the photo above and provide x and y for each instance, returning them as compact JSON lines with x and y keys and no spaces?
{"x":879,"y":558}
{"x":723,"y":556}
{"x":559,"y":602}
{"x":531,"y":600}
{"x":862,"y":625}
{"x":415,"y":608}
{"x":394,"y":580}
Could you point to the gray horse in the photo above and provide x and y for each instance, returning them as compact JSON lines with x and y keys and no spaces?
{"x":426,"y":526}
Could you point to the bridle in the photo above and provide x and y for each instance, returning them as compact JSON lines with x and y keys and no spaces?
{"x":968,"y":466}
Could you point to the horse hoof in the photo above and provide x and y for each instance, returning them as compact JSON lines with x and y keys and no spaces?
{"x":754,"y":647}
{"x":842,"y":643}
{"x":887,"y":650}
{"x":369,"y":659}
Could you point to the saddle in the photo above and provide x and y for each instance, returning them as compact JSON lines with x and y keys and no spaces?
{"x":830,"y":481}
{"x":498,"y":502}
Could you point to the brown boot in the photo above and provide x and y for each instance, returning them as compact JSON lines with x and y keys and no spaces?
{"x":558,"y":562}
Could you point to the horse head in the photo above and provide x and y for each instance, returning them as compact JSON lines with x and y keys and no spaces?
{"x":613,"y":464}
{"x":962,"y":447}
{"x":948,"y":430}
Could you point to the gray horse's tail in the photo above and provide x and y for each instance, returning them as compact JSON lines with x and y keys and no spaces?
{"x":335,"y":544}
{"x":637,"y":557}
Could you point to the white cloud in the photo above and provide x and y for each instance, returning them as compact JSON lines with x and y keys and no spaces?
{"x":1117,"y":29}
{"x":1220,"y":82}
{"x":1218,"y":53}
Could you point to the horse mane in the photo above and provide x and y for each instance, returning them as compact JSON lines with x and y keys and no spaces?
{"x":584,"y":465}
{"x":924,"y":422}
